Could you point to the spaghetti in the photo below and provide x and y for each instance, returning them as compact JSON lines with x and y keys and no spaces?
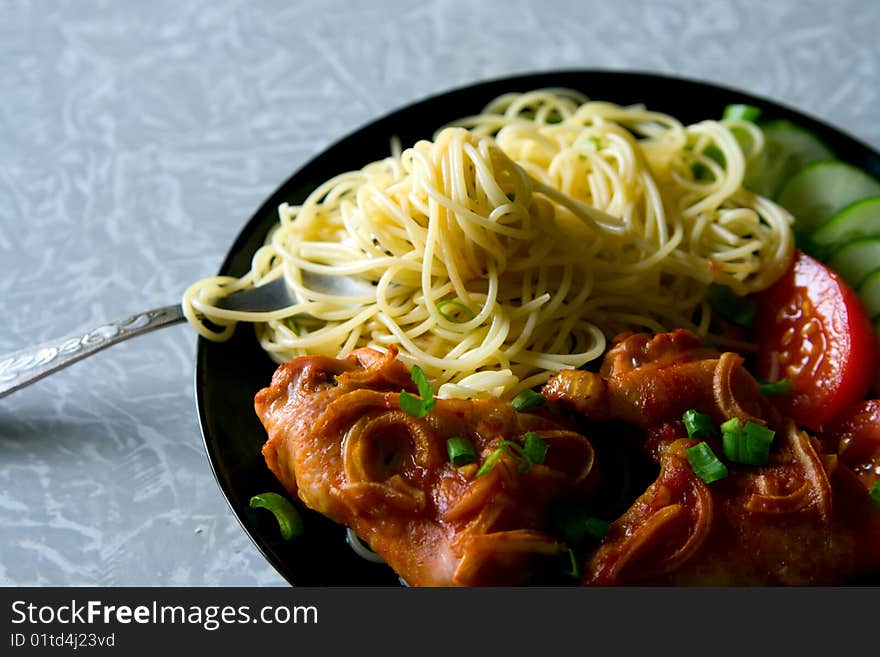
{"x":513,"y":244}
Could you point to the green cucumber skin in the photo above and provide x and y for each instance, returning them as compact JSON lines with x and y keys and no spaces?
{"x":820,"y":190}
{"x":869,"y":293}
{"x":858,"y":220}
{"x":816,"y":193}
{"x":787,"y":149}
{"x":855,"y":259}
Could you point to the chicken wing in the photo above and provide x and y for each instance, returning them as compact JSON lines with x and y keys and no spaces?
{"x":787,"y":522}
{"x":339,"y":439}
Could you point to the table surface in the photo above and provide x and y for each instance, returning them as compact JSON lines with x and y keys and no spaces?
{"x":136,"y":139}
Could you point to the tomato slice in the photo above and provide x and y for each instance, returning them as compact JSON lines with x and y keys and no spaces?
{"x":812,"y":329}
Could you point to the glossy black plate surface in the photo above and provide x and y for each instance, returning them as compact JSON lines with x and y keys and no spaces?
{"x":229,"y":374}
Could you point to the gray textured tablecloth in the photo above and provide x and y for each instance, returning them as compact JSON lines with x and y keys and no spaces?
{"x":137,"y":137}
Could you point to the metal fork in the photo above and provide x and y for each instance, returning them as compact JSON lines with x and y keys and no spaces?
{"x":25,"y":366}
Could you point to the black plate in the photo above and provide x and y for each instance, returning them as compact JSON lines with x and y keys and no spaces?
{"x":229,"y":374}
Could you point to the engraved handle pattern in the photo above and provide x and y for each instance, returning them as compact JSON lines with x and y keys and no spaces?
{"x":23,"y":367}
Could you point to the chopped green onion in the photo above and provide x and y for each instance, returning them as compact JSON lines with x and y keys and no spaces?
{"x":597,"y":145}
{"x":731,"y":306}
{"x":697,"y":424}
{"x":596,"y":527}
{"x":568,"y":521}
{"x":775,"y":388}
{"x":458,"y":306}
{"x":461,"y":451}
{"x":758,"y":434}
{"x":741,"y":112}
{"x":533,"y":451}
{"x":426,"y":392}
{"x":705,"y":464}
{"x":527,"y":399}
{"x":749,"y":444}
{"x":289,"y":521}
{"x":573,"y":524}
{"x":291,"y":324}
{"x":731,"y":425}
{"x":537,"y":449}
{"x":490,"y":462}
{"x":516,"y":452}
{"x":875,"y":492}
{"x":733,"y":440}
{"x":534,"y":448}
{"x":413,"y":405}
{"x":571,"y":565}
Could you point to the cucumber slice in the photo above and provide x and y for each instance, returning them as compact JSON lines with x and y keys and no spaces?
{"x":787,"y":149}
{"x":856,"y":259}
{"x":869,"y":293}
{"x":860,"y":219}
{"x":820,"y":189}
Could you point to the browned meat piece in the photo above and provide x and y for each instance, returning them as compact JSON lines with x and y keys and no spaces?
{"x":631,"y":351}
{"x":648,"y":380}
{"x":301,"y":390}
{"x":767,"y":525}
{"x":340,"y":441}
{"x":793,"y":521}
{"x":855,"y":437}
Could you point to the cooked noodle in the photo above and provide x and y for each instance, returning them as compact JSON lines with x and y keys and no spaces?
{"x":513,"y":244}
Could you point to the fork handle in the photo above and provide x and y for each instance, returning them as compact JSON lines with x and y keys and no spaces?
{"x":21,"y":368}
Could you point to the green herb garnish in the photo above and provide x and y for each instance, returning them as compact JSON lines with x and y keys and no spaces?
{"x":571,"y":565}
{"x":571,"y":522}
{"x":749,"y":443}
{"x":458,"y":306}
{"x":741,"y":112}
{"x":874,"y":493}
{"x":534,"y":448}
{"x":490,"y":461}
{"x":697,"y":424}
{"x":705,"y":464}
{"x":775,"y":388}
{"x":413,"y":405}
{"x":532,"y":452}
{"x":461,"y":451}
{"x":289,"y":521}
{"x":596,"y":527}
{"x":527,"y":399}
